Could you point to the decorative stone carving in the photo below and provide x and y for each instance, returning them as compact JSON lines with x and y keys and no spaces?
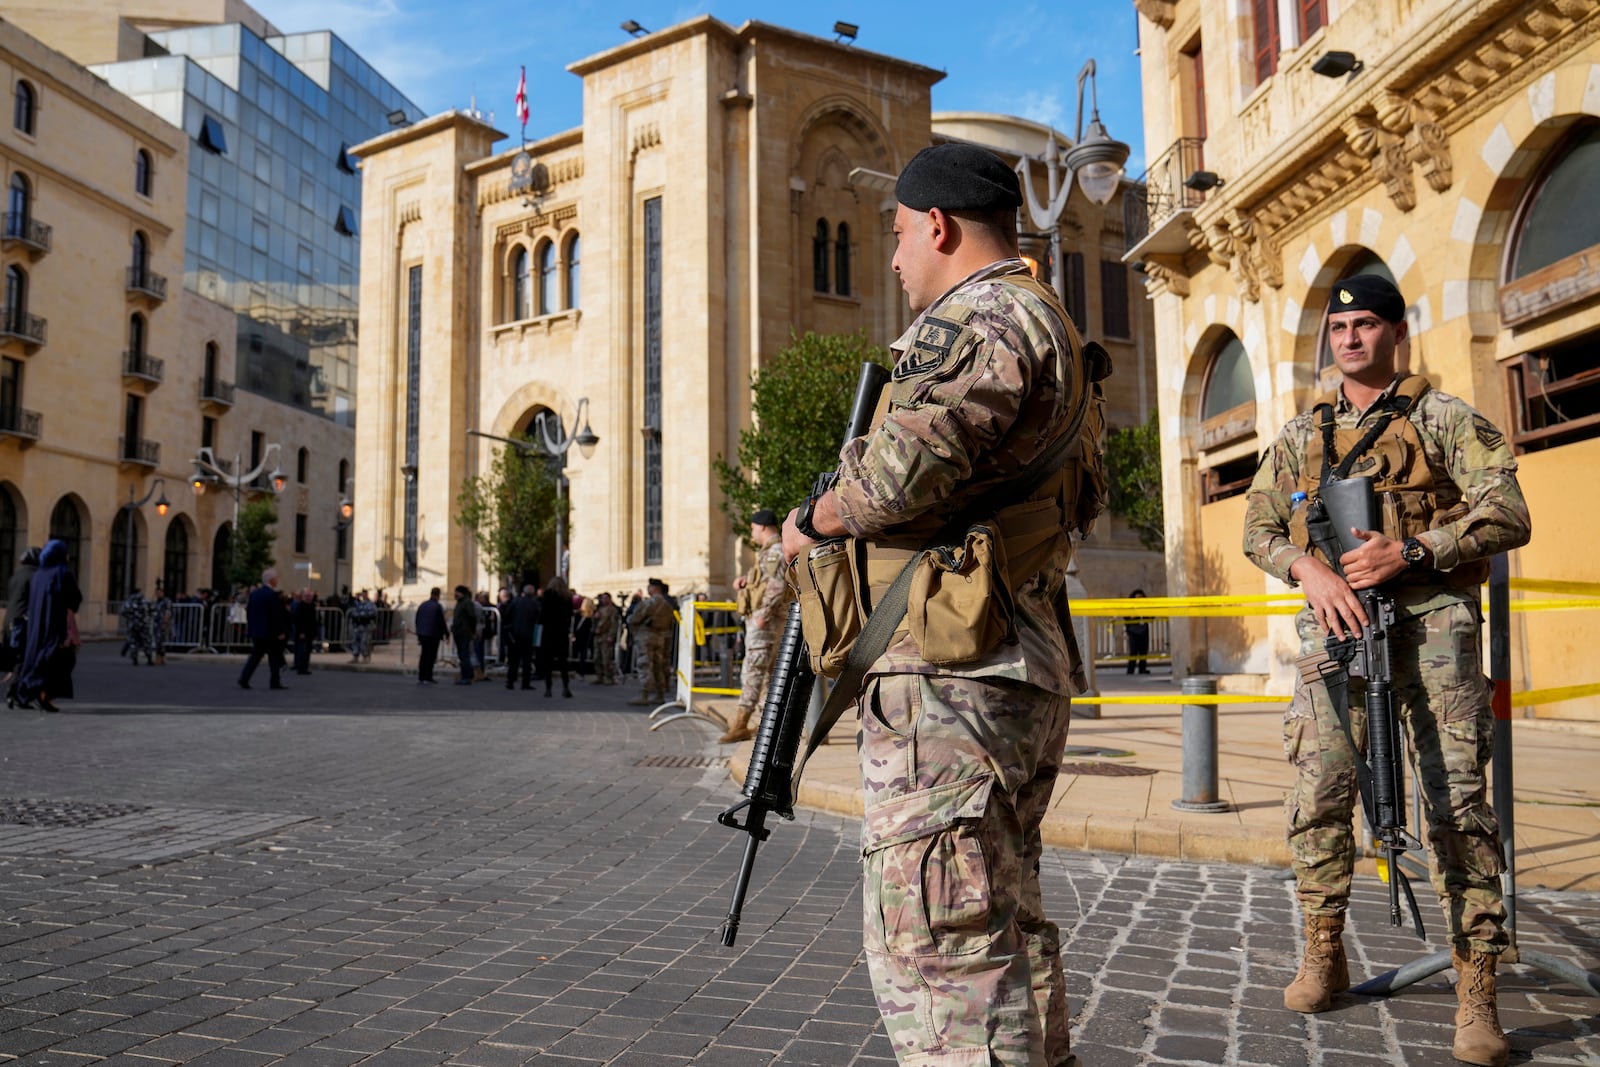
{"x":1269,"y":255}
{"x":1160,"y":12}
{"x":1161,"y":279}
{"x":1428,"y":146}
{"x":1393,"y":168}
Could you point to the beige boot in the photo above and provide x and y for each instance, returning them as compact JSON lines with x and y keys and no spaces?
{"x":1479,"y":1038}
{"x":644,"y":700}
{"x":739,"y":729}
{"x":1323,"y":970}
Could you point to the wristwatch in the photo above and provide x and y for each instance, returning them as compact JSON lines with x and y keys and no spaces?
{"x":1414,"y":552}
{"x":804,"y":518}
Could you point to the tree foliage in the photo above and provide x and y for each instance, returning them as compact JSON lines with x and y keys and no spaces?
{"x":801,"y":403}
{"x":511,"y":511}
{"x":252,"y":542}
{"x":1133,"y":469}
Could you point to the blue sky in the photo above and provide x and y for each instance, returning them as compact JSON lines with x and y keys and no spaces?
{"x":1020,"y":59}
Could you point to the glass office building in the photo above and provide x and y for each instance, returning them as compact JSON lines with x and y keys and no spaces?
{"x":274,"y":200}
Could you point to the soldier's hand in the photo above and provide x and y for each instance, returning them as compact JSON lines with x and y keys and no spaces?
{"x":740,"y":582}
{"x":794,"y":542}
{"x":1374,"y":563}
{"x":1330,"y":598}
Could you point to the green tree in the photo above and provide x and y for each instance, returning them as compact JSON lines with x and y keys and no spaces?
{"x":511,"y":511}
{"x":252,"y":542}
{"x":1133,"y":469}
{"x":801,"y":403}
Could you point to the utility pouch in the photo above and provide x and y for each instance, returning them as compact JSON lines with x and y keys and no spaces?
{"x":959,"y":605}
{"x":745,"y":601}
{"x":830,"y":613}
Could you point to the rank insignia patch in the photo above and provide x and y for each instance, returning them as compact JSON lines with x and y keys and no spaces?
{"x":931,"y":347}
{"x":1488,"y":436}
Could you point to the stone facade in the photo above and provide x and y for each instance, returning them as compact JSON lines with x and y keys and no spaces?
{"x":761,"y":155}
{"x":1422,"y":161}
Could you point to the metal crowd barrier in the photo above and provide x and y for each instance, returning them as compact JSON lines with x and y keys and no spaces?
{"x":188,"y":630}
{"x":1111,"y":642}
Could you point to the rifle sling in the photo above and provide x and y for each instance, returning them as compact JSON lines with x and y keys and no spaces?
{"x":890,"y":609}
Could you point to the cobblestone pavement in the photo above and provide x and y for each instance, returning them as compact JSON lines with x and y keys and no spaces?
{"x":361,"y":870}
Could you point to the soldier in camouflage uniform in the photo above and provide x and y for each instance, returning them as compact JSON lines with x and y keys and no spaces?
{"x":958,"y":762}
{"x":653,"y":621}
{"x":1460,"y":505}
{"x":767,"y":594}
{"x":607,"y":621}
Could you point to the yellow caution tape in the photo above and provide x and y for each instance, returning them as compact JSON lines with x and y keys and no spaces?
{"x":716,"y":692}
{"x":1554,"y":695}
{"x":1546,"y":585}
{"x":1183,"y":698}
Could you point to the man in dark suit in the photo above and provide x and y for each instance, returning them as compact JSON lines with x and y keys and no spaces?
{"x":430,"y":629}
{"x":267,"y":626}
{"x":521,"y":625}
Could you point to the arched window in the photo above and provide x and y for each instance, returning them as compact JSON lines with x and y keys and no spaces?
{"x":141,"y":255}
{"x":16,"y":310}
{"x":571,"y":257}
{"x":66,"y":525}
{"x":548,"y":277}
{"x":302,"y":465}
{"x":841,"y":261}
{"x":521,"y":285}
{"x":1227,"y":422}
{"x":19,"y":206}
{"x":123,"y":576}
{"x":175,"y":559}
{"x":135,"y":335}
{"x":819,"y":257}
{"x":23,"y":107}
{"x":142,"y":173}
{"x":11,"y":535}
{"x":1548,"y":230}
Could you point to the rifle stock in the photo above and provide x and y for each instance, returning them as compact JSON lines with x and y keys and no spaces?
{"x":768,"y":783}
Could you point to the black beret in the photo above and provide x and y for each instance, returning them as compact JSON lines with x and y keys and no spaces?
{"x":1368,"y":292}
{"x":958,"y":177}
{"x":765,"y":517}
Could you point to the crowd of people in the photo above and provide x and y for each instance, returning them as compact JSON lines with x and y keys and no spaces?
{"x":538,"y":636}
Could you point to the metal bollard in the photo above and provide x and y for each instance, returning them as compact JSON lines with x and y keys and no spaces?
{"x":1200,"y":751}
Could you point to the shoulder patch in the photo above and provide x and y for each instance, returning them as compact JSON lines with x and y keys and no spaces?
{"x":929,"y":348}
{"x":1488,"y":436}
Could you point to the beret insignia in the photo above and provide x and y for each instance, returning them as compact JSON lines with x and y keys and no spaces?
{"x":1345,"y":297}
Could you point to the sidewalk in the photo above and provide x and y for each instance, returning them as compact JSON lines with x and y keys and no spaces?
{"x":1123,"y":803}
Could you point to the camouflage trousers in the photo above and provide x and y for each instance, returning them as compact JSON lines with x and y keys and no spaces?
{"x":658,"y":654}
{"x":1442,"y":699}
{"x":759,"y":646}
{"x":957,"y":774}
{"x":605,"y":659}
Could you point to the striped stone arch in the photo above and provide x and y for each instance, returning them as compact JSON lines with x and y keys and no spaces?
{"x":1200,"y":340}
{"x":516,"y":414}
{"x":1491,"y":186}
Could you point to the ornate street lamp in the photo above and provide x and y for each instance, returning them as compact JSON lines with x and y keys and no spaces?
{"x":556,"y":442}
{"x":162,"y":506}
{"x":1095,"y":159}
{"x":207,"y":469}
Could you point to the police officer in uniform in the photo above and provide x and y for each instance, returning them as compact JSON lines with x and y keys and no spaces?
{"x":764,"y":598}
{"x":1448,"y":487}
{"x":959,"y":760}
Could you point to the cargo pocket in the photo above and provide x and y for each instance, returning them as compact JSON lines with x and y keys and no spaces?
{"x":927,"y":871}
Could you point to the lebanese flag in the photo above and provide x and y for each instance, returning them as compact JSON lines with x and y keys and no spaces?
{"x":522,"y":96}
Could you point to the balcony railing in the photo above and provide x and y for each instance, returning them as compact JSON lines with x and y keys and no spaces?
{"x":138,"y":451}
{"x":213,"y":391}
{"x":25,"y":231}
{"x":1163,"y":193}
{"x":20,"y":422}
{"x":18,"y":324}
{"x":147,"y":282}
{"x":139,"y":365}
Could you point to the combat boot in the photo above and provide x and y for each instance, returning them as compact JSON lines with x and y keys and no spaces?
{"x":1479,"y":1038}
{"x":739,"y":729}
{"x":643,"y":701}
{"x":1323,"y":970}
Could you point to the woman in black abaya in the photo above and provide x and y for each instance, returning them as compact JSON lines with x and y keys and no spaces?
{"x":51,"y":651}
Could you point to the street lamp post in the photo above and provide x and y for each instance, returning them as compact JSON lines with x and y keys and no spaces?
{"x":556,"y":442}
{"x":207,"y":469}
{"x":347,"y":511}
{"x":132,"y":545}
{"x":1094,"y":159}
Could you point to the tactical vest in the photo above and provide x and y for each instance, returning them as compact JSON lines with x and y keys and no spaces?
{"x":1036,"y":529}
{"x":1388,"y":450}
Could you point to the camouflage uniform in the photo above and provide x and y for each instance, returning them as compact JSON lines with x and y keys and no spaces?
{"x":607,"y":619}
{"x":958,"y":764}
{"x":1440,"y":692}
{"x":655,"y":620}
{"x":763,"y":628}
{"x":135,"y":614}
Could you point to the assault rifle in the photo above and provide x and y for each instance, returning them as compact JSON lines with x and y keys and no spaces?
{"x":768,"y":783}
{"x":1346,"y":503}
